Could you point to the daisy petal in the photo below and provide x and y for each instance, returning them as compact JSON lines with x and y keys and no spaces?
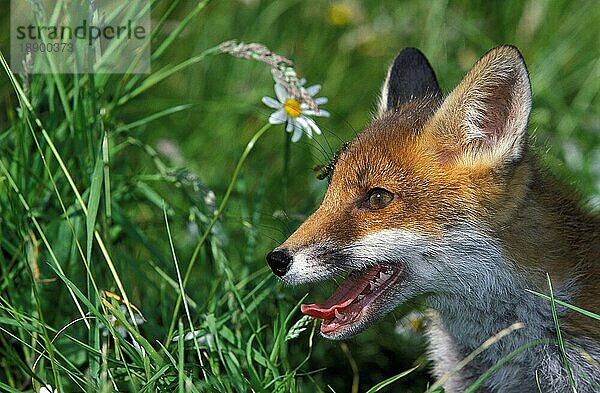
{"x":313,"y":125}
{"x":271,"y":102}
{"x":320,"y":100}
{"x":312,"y":90}
{"x":303,"y":122}
{"x":278,"y":117}
{"x":322,"y":113}
{"x":297,"y":133}
{"x":281,"y":93}
{"x":121,"y":331}
{"x":290,"y":125}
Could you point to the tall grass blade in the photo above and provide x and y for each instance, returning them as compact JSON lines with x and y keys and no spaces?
{"x":391,"y":380}
{"x":561,"y":344}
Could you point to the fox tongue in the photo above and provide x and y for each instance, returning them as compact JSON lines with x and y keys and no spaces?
{"x":321,"y":311}
{"x":343,"y":296}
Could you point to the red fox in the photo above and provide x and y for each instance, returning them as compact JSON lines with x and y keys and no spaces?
{"x":441,"y":198}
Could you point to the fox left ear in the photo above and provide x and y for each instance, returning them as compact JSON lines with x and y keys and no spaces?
{"x":484,"y":119}
{"x":408,"y":78}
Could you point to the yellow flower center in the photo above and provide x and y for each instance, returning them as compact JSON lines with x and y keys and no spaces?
{"x":416,"y":324}
{"x":292,"y":107}
{"x":340,"y":14}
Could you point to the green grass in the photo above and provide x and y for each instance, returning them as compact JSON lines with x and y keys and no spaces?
{"x":95,"y":210}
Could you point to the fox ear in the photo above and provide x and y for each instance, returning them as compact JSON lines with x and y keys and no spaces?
{"x":409,"y":77}
{"x":485,"y":118}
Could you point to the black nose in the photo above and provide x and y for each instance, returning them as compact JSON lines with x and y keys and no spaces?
{"x":279,"y":261}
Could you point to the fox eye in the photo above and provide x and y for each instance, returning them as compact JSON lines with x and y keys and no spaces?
{"x":378,"y":198}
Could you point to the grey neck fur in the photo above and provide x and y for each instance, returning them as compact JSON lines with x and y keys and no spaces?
{"x":483,"y":295}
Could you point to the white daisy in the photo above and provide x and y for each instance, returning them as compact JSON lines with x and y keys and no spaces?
{"x":294,"y":113}
{"x":411,"y":325}
{"x":121,"y":329}
{"x":202,"y":339}
{"x":116,"y":324}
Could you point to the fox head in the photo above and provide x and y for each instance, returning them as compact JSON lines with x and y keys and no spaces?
{"x":413,"y":198}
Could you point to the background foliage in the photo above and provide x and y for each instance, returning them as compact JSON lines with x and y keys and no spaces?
{"x":151,"y":169}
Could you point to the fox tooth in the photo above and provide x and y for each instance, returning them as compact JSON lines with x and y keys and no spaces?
{"x":360,"y":297}
{"x":339,"y":315}
{"x":384,"y":276}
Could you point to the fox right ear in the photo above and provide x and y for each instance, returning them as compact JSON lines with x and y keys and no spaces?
{"x":408,"y":78}
{"x":484,"y":119}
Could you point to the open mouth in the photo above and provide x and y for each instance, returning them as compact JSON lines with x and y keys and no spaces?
{"x":350,"y":303}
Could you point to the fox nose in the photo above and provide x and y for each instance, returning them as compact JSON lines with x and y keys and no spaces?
{"x":279,"y":261}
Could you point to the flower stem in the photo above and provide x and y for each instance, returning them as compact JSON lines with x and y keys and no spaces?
{"x":216,"y":216}
{"x":286,"y":169}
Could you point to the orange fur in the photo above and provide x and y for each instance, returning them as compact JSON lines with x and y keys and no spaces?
{"x":442,"y":172}
{"x":442,"y":198}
